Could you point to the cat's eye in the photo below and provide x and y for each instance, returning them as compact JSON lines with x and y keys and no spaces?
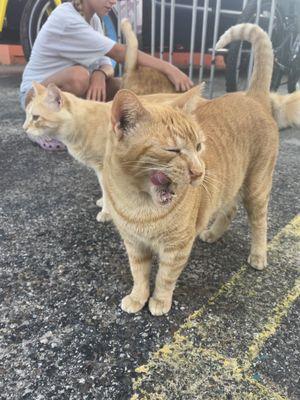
{"x":35,"y":117}
{"x":198,"y":147}
{"x":174,"y":150}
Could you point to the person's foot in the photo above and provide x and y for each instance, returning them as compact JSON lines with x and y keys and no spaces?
{"x":49,"y":144}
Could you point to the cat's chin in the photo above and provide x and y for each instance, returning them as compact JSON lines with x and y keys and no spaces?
{"x":34,"y":134}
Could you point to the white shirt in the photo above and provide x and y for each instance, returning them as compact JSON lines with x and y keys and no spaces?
{"x":66,"y":39}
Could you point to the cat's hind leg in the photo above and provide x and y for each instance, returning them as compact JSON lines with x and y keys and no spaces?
{"x":220,"y":224}
{"x":256,"y":199}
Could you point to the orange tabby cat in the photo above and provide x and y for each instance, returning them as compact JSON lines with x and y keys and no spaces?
{"x":168,"y":174}
{"x":83,"y":125}
{"x":285,"y":108}
{"x":141,"y":80}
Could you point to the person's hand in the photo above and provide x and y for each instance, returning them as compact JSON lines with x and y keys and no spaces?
{"x":97,"y":88}
{"x":180,"y":80}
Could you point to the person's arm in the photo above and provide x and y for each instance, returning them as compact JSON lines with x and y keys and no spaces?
{"x":178,"y":78}
{"x":97,"y":88}
{"x":108,"y":70}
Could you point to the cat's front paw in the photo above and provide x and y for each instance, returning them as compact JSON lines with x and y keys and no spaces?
{"x":159,"y":307}
{"x":103,"y":216}
{"x":130,"y":305}
{"x":208,"y":236}
{"x":99,"y":202}
{"x":257,"y":261}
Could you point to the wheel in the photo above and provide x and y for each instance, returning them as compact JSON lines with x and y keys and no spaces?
{"x":35,"y":14}
{"x":249,"y":15}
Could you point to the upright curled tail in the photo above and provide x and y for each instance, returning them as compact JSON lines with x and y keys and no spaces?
{"x":132,"y":46}
{"x":263,"y":55}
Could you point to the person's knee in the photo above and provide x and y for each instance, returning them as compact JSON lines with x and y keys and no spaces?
{"x":79,"y":80}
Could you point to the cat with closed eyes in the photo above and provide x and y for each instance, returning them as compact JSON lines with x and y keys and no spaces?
{"x":143,"y":80}
{"x":170,"y":176}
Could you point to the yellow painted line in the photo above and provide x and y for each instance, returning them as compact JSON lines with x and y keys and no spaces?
{"x":265,"y":392}
{"x":223,"y":289}
{"x":181,"y":354}
{"x":291,"y":229}
{"x":220,"y":370}
{"x":272,"y":325}
{"x":3,"y":7}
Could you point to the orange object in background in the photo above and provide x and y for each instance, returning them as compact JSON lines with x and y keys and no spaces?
{"x":11,"y":54}
{"x":183,"y":59}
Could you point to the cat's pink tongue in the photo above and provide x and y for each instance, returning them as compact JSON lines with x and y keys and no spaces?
{"x":159,"y":178}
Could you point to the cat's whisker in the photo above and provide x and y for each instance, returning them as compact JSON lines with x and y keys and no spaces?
{"x":213,"y":184}
{"x":214,"y":180}
{"x":150,"y":168}
{"x":139,"y":162}
{"x":213,"y":176}
{"x":207,"y":191}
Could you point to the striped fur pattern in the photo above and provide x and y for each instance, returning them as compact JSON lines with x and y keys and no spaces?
{"x":170,"y":176}
{"x":67,"y":122}
{"x":263,"y":54}
{"x":141,"y":80}
{"x":132,"y":46}
{"x":286,"y":109}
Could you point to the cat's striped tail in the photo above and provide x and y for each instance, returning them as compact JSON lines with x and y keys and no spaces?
{"x":263,"y":54}
{"x":132,"y":46}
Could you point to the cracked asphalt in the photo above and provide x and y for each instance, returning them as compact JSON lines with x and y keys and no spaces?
{"x":63,"y":334}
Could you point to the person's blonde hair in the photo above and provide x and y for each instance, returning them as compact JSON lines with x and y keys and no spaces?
{"x":78,"y":6}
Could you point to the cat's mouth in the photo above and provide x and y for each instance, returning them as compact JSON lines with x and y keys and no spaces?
{"x":162,"y":185}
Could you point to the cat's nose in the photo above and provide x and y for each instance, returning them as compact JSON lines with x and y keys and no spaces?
{"x":194,"y":174}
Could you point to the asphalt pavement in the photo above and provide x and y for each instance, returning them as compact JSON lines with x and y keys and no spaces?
{"x":232,"y":333}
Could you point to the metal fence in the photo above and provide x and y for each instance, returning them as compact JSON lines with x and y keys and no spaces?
{"x":200,"y":15}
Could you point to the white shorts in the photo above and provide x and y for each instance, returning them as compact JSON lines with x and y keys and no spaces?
{"x":22,"y":98}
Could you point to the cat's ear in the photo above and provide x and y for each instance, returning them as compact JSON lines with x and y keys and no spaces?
{"x":54,"y":97}
{"x":188,"y":101}
{"x":126,"y":112}
{"x":38,"y":88}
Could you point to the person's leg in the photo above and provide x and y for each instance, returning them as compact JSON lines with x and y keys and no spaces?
{"x":73,"y":79}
